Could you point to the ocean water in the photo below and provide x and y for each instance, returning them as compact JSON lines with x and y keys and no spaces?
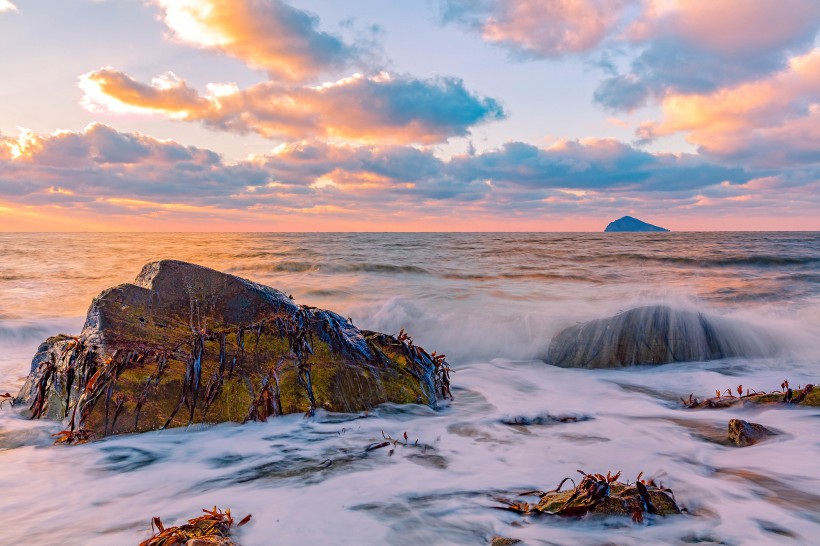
{"x":491,"y":302}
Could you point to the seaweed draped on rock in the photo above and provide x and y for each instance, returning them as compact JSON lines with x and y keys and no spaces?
{"x":657,"y":334}
{"x":186,"y":344}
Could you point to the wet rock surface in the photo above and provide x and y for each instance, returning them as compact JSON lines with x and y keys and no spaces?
{"x":186,"y":344}
{"x":744,"y":433}
{"x":656,"y":334}
{"x":504,"y":541}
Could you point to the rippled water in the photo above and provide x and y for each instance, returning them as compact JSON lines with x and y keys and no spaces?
{"x":491,"y":302}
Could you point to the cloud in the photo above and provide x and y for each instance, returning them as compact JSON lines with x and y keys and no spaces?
{"x":667,"y":46}
{"x":730,"y":28}
{"x":773,"y":121}
{"x":699,"y":46}
{"x":102,"y":171}
{"x":269,"y":35}
{"x":592,"y":164}
{"x":376,"y":108}
{"x":285,"y":41}
{"x":536,"y":28}
{"x":6,"y":5}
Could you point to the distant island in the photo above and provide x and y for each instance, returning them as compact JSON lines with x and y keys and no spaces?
{"x":628,"y":223}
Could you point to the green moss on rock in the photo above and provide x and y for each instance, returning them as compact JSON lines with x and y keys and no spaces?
{"x":186,"y":344}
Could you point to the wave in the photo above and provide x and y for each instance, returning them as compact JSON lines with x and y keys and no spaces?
{"x":24,"y":333}
{"x":520,"y":276}
{"x":311,"y":267}
{"x":293,"y":267}
{"x":384,"y":268}
{"x":16,"y":332}
{"x":486,"y":330}
{"x":759,"y":260}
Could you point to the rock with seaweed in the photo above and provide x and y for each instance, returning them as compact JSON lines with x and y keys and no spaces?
{"x":657,"y":334}
{"x":504,"y":541}
{"x":211,"y":529}
{"x":807,"y":395}
{"x":599,"y":495}
{"x":186,"y":344}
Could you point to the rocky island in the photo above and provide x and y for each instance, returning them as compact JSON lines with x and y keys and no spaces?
{"x":630,"y":224}
{"x":185,"y":344}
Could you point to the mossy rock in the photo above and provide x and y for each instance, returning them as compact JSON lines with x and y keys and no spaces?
{"x":186,"y":344}
{"x":623,"y":500}
{"x":600,"y":496}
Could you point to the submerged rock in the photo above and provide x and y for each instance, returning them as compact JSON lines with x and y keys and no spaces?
{"x":656,"y":334}
{"x":186,"y":344}
{"x":743,"y":433}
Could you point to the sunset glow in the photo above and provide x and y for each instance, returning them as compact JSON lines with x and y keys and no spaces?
{"x":453,"y":115}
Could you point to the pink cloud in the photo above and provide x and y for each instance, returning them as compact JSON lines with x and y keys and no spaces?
{"x":728,"y":27}
{"x":539,"y":28}
{"x":553,"y":28}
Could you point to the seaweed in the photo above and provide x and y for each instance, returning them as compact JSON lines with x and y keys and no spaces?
{"x":215,"y":523}
{"x":804,"y":395}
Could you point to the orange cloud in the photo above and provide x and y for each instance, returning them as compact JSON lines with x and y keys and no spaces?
{"x":783,"y":108}
{"x":375,"y":108}
{"x":111,"y":90}
{"x":270,"y":35}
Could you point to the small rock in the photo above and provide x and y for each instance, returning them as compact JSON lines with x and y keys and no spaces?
{"x":744,"y":433}
{"x":504,"y":541}
{"x":211,"y":541}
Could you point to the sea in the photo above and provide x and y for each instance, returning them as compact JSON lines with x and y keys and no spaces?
{"x":491,"y":302}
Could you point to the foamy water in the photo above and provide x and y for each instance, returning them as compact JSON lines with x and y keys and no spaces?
{"x":491,"y":302}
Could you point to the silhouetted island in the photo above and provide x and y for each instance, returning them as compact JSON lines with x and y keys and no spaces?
{"x":628,"y":223}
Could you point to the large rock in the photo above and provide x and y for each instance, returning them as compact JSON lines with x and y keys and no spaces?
{"x":186,"y":344}
{"x":656,"y":334}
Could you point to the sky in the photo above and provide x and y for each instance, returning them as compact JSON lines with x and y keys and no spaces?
{"x":419,"y":115}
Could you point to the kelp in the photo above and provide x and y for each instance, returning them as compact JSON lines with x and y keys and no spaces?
{"x":599,"y":495}
{"x":214,"y":525}
{"x":806,"y":395}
